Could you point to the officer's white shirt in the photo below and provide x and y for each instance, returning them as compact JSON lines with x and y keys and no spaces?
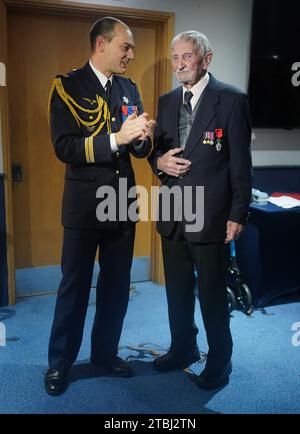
{"x":103,"y":80}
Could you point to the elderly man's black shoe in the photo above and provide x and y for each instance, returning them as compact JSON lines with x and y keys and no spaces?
{"x":170,"y":360}
{"x":55,"y":381}
{"x":209,"y":379}
{"x":116,"y":366}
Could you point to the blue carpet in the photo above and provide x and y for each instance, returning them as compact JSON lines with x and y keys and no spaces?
{"x":265,"y":378}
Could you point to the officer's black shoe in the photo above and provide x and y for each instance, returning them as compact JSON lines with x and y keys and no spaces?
{"x":116,"y":366}
{"x":55,"y":381}
{"x":212,"y":379}
{"x":171,"y":360}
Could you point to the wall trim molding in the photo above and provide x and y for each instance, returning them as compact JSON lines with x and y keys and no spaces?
{"x":28,"y":280}
{"x":60,"y":6}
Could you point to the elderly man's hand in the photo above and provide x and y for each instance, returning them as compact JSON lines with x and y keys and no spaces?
{"x":172,"y":165}
{"x":233,"y":231}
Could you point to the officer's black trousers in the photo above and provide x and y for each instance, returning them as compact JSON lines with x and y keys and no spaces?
{"x":112,"y":293}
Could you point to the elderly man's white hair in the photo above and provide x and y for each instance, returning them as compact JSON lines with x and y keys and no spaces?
{"x":199,"y":41}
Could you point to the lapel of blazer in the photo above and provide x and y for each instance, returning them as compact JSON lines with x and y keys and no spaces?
{"x":206,"y":112}
{"x":173,"y":111}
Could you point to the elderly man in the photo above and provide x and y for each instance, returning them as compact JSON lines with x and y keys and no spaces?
{"x":202,"y":139}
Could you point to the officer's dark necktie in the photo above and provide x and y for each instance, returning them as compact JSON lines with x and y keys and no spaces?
{"x":108,"y":90}
{"x":188,"y":95}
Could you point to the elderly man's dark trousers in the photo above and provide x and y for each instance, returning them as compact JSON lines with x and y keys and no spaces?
{"x":181,"y":258}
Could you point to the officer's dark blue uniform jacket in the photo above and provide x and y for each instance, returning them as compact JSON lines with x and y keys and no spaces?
{"x":80,"y":122}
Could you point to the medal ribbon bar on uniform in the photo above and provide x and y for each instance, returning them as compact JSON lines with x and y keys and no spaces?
{"x":127,"y":110}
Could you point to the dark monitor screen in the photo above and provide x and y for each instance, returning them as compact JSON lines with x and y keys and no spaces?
{"x":274,"y":81}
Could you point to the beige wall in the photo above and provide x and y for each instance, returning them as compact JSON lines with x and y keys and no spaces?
{"x":227,"y":24}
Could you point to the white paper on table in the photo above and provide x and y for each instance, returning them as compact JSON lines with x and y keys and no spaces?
{"x":284,"y":201}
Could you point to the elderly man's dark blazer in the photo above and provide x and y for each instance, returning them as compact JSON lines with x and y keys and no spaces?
{"x":225,"y":173}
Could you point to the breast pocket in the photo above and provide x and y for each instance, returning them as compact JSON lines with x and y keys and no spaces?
{"x":207,"y":150}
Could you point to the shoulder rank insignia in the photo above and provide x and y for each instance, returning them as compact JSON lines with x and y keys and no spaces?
{"x":62,"y":75}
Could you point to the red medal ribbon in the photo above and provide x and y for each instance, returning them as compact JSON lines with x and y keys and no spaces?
{"x":219,"y":133}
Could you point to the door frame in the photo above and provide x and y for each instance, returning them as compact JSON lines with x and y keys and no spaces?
{"x":165,"y":27}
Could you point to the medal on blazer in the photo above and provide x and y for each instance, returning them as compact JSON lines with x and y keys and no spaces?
{"x":219,"y":135}
{"x":127,"y":110}
{"x":209,"y":138}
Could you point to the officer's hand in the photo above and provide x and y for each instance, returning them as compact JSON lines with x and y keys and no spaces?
{"x":134,"y":128}
{"x":233,"y":231}
{"x":150,"y":128}
{"x":172,"y":165}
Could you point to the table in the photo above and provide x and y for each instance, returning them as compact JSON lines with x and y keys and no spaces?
{"x":268,"y":252}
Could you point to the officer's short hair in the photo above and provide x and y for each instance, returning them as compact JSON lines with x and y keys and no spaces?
{"x":104,"y":27}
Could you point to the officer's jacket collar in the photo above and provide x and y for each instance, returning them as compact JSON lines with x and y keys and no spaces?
{"x":92,"y":83}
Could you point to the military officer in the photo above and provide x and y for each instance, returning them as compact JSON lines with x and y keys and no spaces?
{"x":94,"y":141}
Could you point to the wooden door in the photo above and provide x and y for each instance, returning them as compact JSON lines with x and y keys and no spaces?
{"x":4,"y":144}
{"x":40,"y":45}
